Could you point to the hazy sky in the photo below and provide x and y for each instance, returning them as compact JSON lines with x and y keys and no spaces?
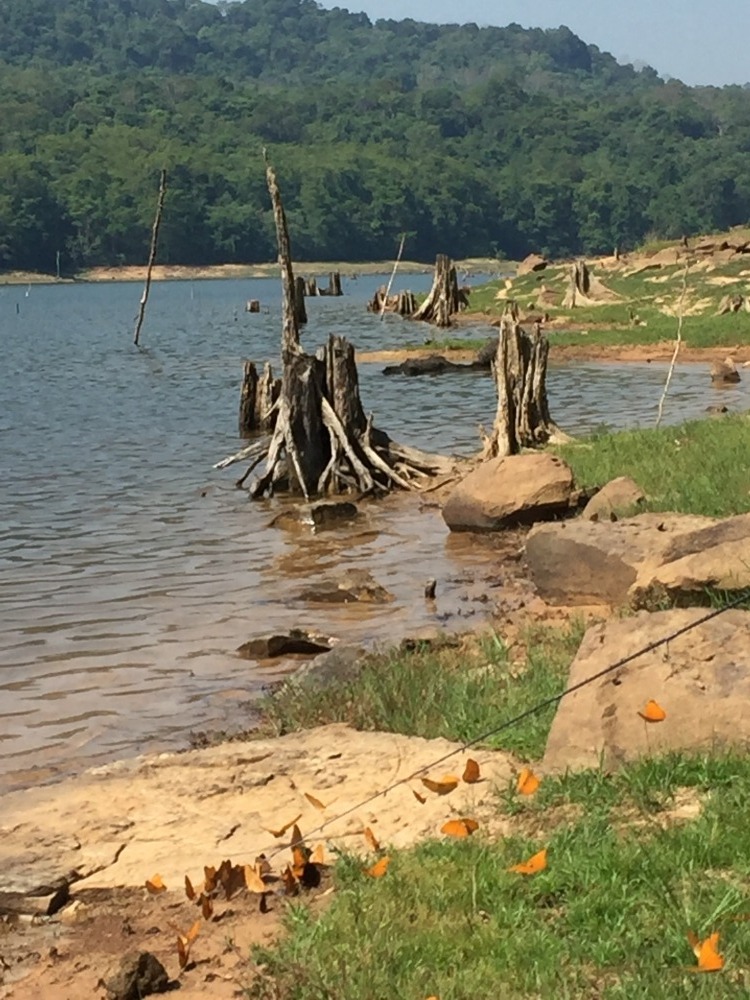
{"x":698,"y":41}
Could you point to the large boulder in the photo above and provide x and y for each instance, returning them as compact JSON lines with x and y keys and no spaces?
{"x":641,"y":561}
{"x":505,"y":492}
{"x":701,"y":679}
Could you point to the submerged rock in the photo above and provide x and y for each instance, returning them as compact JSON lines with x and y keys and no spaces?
{"x":353,"y":585}
{"x":724,"y":372}
{"x":267,"y":647}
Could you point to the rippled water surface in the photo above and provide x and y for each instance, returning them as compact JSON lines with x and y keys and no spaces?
{"x":130,"y":570}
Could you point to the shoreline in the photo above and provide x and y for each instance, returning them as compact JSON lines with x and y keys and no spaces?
{"x":606,"y":353}
{"x":185,"y":272}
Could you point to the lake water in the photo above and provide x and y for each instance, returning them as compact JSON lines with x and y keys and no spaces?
{"x":130,"y":570}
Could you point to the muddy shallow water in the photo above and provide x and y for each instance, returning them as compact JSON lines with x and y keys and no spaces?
{"x":130,"y":571}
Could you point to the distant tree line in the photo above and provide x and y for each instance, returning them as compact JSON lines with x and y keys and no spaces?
{"x":492,"y":141}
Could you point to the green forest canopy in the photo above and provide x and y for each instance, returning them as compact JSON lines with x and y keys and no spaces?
{"x":474,"y":141}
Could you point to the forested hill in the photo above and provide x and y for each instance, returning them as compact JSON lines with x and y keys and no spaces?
{"x":471,"y":140}
{"x":289,"y":41}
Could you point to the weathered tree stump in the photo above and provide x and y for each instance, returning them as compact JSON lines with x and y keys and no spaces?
{"x":523,"y":419}
{"x":445,"y":299}
{"x":257,"y":398}
{"x":334,"y":284}
{"x":579,"y":282}
{"x":300,"y":309}
{"x":322,"y":442}
{"x":733,"y":304}
{"x":311,"y":288}
{"x":402,"y":304}
{"x":252,"y":306}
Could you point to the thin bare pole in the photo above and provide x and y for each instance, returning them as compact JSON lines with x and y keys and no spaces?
{"x":678,"y":342}
{"x":393,"y":275}
{"x":151,"y":255}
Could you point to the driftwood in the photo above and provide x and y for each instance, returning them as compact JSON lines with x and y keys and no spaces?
{"x":445,"y":298}
{"x":322,"y":442}
{"x":151,"y":255}
{"x":523,"y":419}
{"x":257,"y":398}
{"x":438,"y":364}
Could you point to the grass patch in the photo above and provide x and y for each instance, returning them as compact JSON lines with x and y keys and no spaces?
{"x":607,"y":919}
{"x":456,"y":693}
{"x":696,"y":468}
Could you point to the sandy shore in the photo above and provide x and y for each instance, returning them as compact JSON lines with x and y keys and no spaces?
{"x":179,"y":272}
{"x":575,"y":352}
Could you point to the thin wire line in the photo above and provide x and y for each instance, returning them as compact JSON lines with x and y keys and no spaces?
{"x":516,"y":719}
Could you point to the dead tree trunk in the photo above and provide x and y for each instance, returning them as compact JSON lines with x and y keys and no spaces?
{"x":334,"y":284}
{"x":299,"y":301}
{"x":444,"y":299}
{"x":404,"y":304}
{"x":311,"y":287}
{"x":257,"y":400}
{"x":321,"y":441}
{"x":579,"y":282}
{"x":151,"y":255}
{"x":523,"y":419}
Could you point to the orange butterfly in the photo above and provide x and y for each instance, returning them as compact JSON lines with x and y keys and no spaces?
{"x":536,"y":863}
{"x":471,"y":772}
{"x":444,"y":785}
{"x":459,"y":827}
{"x":285,"y":827}
{"x":314,"y":802}
{"x":652,"y":712}
{"x":707,"y":952}
{"x":189,"y":890}
{"x":253,"y":879}
{"x":420,"y":798}
{"x":379,"y":869}
{"x":184,"y":942}
{"x":528,"y":782}
{"x":371,"y":839}
{"x":318,"y":856}
{"x":155,"y":885}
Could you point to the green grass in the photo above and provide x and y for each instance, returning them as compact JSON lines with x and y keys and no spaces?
{"x":454,"y":693}
{"x":699,"y":467}
{"x":607,"y":919}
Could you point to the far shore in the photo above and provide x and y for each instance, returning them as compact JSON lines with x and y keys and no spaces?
{"x":179,"y":272}
{"x":614,"y":353}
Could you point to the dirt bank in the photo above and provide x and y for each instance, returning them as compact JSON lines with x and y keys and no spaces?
{"x":575,"y":352}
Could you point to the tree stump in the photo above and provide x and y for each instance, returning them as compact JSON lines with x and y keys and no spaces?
{"x":579,"y":282}
{"x":311,"y":288}
{"x":257,"y":398}
{"x":322,"y":442}
{"x":444,"y":299}
{"x":520,"y":369}
{"x":403,"y":304}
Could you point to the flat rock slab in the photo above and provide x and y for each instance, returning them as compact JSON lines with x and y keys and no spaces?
{"x":701,"y":679}
{"x":173,"y":813}
{"x":640,"y":561}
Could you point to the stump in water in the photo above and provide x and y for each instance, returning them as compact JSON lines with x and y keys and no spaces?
{"x":445,"y":299}
{"x":523,"y":419}
{"x":257,"y":398}
{"x":403,"y":304}
{"x":311,"y":288}
{"x":321,"y":441}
